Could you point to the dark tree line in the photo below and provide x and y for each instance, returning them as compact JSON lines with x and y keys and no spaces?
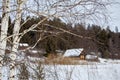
{"x":53,"y":38}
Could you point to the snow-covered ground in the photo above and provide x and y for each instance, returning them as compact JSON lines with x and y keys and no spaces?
{"x":83,"y":72}
{"x":106,"y":69}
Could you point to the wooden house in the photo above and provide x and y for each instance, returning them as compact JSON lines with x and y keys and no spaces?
{"x":82,"y":55}
{"x":75,"y":53}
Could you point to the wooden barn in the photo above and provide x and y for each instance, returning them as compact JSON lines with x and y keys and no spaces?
{"x":76,"y":53}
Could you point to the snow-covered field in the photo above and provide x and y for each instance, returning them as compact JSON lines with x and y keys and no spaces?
{"x":103,"y":70}
{"x":108,"y":70}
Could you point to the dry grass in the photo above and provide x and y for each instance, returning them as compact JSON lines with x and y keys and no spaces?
{"x":53,"y":59}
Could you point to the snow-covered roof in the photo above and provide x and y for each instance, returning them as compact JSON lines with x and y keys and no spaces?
{"x":73,"y":52}
{"x":23,"y":44}
{"x":34,"y":51}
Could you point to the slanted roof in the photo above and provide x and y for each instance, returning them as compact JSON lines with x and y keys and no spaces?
{"x":73,"y":52}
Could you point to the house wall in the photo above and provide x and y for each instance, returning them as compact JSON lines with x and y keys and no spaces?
{"x":82,"y":57}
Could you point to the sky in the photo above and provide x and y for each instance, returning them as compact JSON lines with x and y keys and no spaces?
{"x":113,"y":20}
{"x":114,"y":12}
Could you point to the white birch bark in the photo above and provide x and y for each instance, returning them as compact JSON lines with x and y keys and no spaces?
{"x":16,"y":39}
{"x":17,"y":26}
{"x":4,"y":29}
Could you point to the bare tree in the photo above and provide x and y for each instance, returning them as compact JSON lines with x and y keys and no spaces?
{"x":68,"y":10}
{"x":4,"y":29}
{"x":16,"y":38}
{"x":71,"y":10}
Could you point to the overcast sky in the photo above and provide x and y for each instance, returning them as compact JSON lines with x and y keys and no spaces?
{"x":114,"y":12}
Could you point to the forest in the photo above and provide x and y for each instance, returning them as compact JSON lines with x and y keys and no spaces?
{"x":54,"y":34}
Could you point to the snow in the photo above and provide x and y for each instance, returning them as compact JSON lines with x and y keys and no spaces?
{"x":95,"y":71}
{"x":23,"y":44}
{"x":34,"y":51}
{"x":35,"y":59}
{"x":5,"y":72}
{"x":91,"y":57}
{"x":106,"y":69}
{"x":73,"y":52}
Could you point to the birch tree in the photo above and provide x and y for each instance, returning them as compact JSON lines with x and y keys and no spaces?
{"x":4,"y":29}
{"x":16,"y":38}
{"x":68,"y":10}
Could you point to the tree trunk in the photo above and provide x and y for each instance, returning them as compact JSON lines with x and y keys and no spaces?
{"x":4,"y":29}
{"x":16,"y":39}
